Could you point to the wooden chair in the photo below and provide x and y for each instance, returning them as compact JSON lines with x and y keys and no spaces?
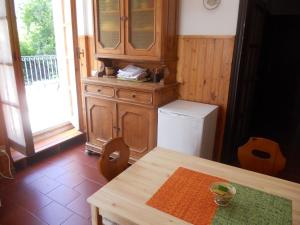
{"x":114,"y":159}
{"x":261,"y":155}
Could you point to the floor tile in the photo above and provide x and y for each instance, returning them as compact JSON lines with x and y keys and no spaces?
{"x":87,"y":188}
{"x":63,"y":195}
{"x":45,"y":185}
{"x":20,"y":216}
{"x":5,"y":183}
{"x":75,"y":167}
{"x":7,"y":206}
{"x":31,"y":200}
{"x":86,"y":171}
{"x":52,"y":191}
{"x":61,"y":161}
{"x":14,"y":188}
{"x":53,"y":171}
{"x":54,"y":214}
{"x":93,"y":175}
{"x":70,"y":179}
{"x":89,"y":160}
{"x":81,"y":207}
{"x":77,"y":220}
{"x":29,"y":176}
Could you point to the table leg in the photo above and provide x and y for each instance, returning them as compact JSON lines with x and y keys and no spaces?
{"x":96,"y":218}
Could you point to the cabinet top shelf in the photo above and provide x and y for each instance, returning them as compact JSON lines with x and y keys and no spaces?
{"x":110,"y":30}
{"x":143,"y":10}
{"x":115,"y":82}
{"x":107,"y":12}
{"x":142,"y":29}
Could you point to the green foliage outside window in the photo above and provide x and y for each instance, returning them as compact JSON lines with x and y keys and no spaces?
{"x":39,"y":37}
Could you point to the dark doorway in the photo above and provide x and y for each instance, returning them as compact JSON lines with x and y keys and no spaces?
{"x":265,"y":88}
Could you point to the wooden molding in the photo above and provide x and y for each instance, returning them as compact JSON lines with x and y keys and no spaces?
{"x":206,"y":36}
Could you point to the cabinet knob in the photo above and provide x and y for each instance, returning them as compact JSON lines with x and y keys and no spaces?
{"x":99,"y":90}
{"x":117,"y":128}
{"x":123,"y":18}
{"x":133,"y":95}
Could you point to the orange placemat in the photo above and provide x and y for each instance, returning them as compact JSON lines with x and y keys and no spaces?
{"x":186,"y":195}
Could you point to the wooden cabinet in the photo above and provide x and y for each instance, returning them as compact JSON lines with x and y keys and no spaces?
{"x":101,"y":120}
{"x":129,"y":111}
{"x":125,"y":29}
{"x":140,"y":32}
{"x":136,"y":127}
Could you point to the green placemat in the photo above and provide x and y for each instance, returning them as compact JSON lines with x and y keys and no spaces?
{"x":254,"y":207}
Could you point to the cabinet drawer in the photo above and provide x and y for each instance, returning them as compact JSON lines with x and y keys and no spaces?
{"x":135,"y":96}
{"x":100,"y":90}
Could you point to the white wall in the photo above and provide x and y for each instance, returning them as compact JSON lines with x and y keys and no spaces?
{"x":84,"y":17}
{"x":89,"y":17}
{"x":81,"y":23}
{"x":194,"y":19}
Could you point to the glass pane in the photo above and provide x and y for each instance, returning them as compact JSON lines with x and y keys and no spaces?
{"x":141,"y":28}
{"x":2,"y":8}
{"x":13,"y":124}
{"x":5,"y":49}
{"x":8,"y":89}
{"x":109,"y":23}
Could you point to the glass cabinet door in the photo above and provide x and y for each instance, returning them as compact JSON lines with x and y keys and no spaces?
{"x":109,"y":23}
{"x":141,"y":28}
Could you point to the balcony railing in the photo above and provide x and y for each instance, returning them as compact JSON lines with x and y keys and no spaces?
{"x":39,"y":68}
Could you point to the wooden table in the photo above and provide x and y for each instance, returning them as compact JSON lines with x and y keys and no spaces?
{"x":123,"y":199}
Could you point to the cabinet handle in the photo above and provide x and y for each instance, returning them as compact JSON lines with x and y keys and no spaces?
{"x":117,"y":128}
{"x":123,"y":18}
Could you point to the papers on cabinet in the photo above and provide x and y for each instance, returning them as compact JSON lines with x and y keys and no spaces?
{"x":133,"y":73}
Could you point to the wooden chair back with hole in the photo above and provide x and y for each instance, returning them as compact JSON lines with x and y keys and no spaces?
{"x":261,"y":155}
{"x":114,"y":159}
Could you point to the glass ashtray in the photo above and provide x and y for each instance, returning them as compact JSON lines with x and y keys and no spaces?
{"x":223,"y":192}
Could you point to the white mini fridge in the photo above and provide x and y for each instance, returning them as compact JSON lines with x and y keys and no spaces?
{"x":188,"y":127}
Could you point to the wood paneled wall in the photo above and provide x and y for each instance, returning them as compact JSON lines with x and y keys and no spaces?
{"x":203,"y":71}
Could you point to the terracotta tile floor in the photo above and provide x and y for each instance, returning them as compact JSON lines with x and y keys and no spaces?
{"x":52,"y":191}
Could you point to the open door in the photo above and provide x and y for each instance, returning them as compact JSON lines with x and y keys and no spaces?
{"x":244,"y":77}
{"x":65,"y":26}
{"x":12,"y":90}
